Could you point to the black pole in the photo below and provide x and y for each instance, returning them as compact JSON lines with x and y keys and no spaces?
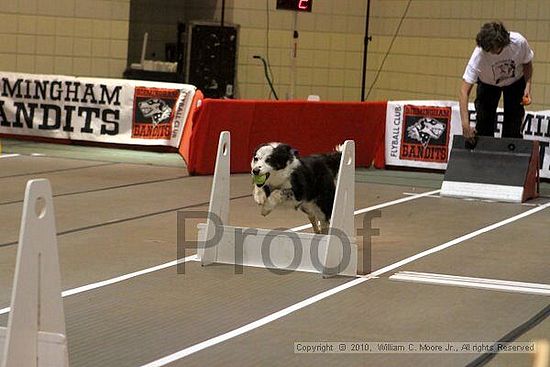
{"x":223,"y":13}
{"x":220,"y":53}
{"x":365,"y":49}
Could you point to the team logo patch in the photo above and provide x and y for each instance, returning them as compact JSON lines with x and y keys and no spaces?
{"x":425,"y":130}
{"x":426,"y":133}
{"x":153,"y":112}
{"x":504,"y":70}
{"x":156,"y":109}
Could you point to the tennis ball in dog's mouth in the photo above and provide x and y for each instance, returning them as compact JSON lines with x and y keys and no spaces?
{"x":259,"y":179}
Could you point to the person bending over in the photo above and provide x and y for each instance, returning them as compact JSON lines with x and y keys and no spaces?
{"x":500,"y":64}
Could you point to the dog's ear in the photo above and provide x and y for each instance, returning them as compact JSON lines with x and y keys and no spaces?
{"x":289,"y":151}
{"x":281,"y":156}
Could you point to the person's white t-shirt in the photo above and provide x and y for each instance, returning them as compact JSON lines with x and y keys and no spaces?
{"x":502,"y":69}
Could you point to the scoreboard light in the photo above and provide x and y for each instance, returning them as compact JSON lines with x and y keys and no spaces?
{"x":296,"y":5}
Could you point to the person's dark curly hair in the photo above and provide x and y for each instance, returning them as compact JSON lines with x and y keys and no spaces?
{"x":493,"y":36}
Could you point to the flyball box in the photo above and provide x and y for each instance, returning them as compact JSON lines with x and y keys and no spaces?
{"x":504,"y":169}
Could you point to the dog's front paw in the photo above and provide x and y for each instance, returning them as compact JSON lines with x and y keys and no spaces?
{"x":259,"y":196}
{"x":274,"y":199}
{"x":266,"y":209}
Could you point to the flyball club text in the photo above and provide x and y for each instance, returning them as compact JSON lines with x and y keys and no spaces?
{"x":79,"y":103}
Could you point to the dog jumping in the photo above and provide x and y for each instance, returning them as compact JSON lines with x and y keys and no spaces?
{"x":282,"y":178}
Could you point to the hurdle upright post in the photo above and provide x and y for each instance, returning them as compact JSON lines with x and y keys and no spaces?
{"x":342,"y":218}
{"x":35,"y":335}
{"x":219,"y":197}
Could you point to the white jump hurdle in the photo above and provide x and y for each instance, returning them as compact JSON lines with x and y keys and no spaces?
{"x":278,"y":249}
{"x":35,"y":336}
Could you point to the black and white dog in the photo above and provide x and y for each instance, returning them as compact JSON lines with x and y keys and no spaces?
{"x":306,"y":183}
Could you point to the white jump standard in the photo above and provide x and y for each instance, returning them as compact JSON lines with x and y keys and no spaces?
{"x":35,"y":336}
{"x":332,"y":254}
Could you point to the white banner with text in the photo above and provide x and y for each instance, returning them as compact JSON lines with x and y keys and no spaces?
{"x":92,"y":109}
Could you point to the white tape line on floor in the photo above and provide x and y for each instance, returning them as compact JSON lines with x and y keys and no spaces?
{"x":379,"y":206}
{"x":89,"y":287}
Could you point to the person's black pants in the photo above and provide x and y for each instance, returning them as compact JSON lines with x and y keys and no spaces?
{"x":486,"y":104}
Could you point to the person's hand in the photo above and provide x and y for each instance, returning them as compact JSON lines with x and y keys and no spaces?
{"x":526,"y":100}
{"x":469,"y":132}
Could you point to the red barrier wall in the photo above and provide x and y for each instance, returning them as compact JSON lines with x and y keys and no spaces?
{"x":311,"y":127}
{"x":185,"y":142}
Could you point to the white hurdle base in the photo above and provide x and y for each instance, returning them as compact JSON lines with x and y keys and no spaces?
{"x":51,"y":350}
{"x":513,"y":194}
{"x":276,"y":249}
{"x":35,"y":336}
